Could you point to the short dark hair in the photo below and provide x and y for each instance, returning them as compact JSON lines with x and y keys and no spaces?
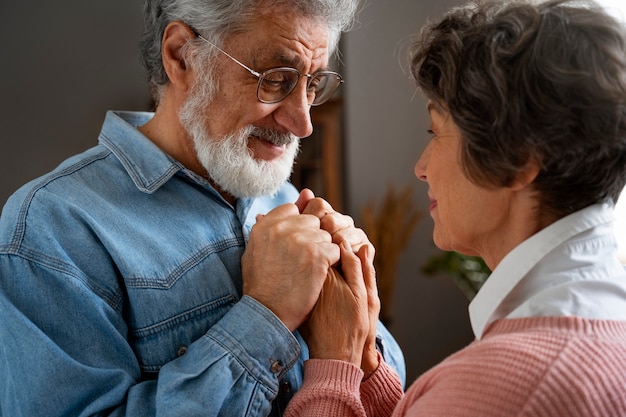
{"x":527,"y":81}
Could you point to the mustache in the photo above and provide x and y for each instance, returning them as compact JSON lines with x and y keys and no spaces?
{"x":272,"y":136}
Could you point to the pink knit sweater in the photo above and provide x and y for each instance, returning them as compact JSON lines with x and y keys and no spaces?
{"x":530,"y":367}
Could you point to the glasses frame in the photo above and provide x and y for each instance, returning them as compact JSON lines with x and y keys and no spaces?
{"x":261,"y":77}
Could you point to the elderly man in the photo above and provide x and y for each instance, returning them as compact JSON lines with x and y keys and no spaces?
{"x":132,"y":280}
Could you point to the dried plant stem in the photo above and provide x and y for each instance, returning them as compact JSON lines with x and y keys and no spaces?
{"x":389,"y":229}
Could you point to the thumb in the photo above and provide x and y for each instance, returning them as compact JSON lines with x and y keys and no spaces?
{"x":352,"y":272}
{"x":305,"y":196}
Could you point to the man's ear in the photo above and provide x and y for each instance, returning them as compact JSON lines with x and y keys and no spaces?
{"x":527,"y":175}
{"x":175,"y":37}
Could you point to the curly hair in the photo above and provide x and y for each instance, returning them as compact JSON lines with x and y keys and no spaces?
{"x":526,"y":81}
{"x":217,"y":19}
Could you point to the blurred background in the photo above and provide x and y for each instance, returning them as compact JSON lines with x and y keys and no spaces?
{"x":66,"y":63}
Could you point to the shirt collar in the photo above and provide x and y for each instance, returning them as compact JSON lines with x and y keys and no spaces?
{"x":147,"y":165}
{"x":150,"y":167}
{"x":518,"y":265}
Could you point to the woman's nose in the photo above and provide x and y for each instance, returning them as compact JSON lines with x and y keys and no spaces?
{"x":421,"y":164}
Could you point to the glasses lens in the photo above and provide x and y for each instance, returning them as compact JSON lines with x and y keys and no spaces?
{"x":323,"y":85}
{"x":276,"y":84}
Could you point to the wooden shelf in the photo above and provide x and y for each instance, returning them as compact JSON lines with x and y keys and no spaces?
{"x":319,"y":166}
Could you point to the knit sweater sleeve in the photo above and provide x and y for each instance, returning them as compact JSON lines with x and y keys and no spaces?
{"x":334,"y":388}
{"x":381,"y":392}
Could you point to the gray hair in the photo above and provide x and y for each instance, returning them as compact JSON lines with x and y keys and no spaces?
{"x":217,"y":19}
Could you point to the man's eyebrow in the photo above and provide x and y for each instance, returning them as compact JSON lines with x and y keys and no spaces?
{"x":291,"y":61}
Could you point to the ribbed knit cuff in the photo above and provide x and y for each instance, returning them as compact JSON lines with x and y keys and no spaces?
{"x":381,"y":392}
{"x":332,"y":374}
{"x":330,"y":388}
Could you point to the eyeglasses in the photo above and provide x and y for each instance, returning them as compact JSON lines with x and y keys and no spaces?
{"x":277,"y":83}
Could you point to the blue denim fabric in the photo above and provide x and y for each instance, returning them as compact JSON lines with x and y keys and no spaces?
{"x":121,"y":293}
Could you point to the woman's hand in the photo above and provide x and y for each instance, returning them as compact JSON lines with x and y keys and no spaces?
{"x":340,"y":226}
{"x":369,"y":362}
{"x":339,"y":324}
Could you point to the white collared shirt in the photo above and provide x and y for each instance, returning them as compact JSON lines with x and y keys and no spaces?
{"x":569,"y":268}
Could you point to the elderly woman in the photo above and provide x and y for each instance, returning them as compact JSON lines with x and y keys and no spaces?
{"x":528,"y":156}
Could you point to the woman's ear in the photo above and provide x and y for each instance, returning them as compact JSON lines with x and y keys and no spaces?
{"x":527,"y":175}
{"x":175,"y":37}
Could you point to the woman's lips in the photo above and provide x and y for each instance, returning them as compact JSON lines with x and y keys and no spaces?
{"x":433,"y":204}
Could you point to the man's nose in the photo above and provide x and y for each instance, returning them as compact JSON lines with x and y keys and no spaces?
{"x":294,"y":112}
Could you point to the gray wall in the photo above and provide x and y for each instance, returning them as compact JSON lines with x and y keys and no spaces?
{"x":386,"y":131}
{"x":64,"y":64}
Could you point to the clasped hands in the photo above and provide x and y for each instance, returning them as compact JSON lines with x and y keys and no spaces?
{"x":314,"y":270}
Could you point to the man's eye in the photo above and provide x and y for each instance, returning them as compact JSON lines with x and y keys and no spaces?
{"x":270,"y":85}
{"x":315,"y":83}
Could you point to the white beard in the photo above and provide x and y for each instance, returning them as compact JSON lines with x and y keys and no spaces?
{"x":228,"y":160}
{"x":230,"y":164}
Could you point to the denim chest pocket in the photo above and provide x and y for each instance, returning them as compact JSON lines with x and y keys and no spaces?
{"x":166,"y":316}
{"x":163,"y":342}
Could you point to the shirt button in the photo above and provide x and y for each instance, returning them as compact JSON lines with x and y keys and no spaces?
{"x":285,"y":387}
{"x":276,"y":366}
{"x":181,"y":351}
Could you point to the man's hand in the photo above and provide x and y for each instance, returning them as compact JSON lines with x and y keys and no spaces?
{"x":286,"y":262}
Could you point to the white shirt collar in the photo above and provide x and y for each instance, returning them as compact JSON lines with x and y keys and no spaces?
{"x":568,"y":268}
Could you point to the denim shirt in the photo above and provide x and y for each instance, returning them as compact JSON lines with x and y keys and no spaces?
{"x":121,"y":293}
